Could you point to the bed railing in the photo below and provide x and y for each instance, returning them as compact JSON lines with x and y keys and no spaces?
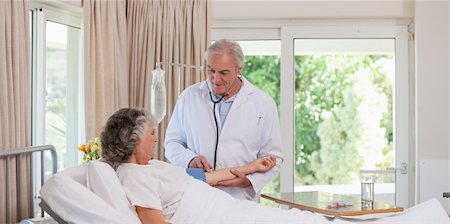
{"x":30,"y":150}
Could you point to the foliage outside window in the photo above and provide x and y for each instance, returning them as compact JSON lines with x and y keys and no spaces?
{"x":343,"y":112}
{"x":343,"y":117}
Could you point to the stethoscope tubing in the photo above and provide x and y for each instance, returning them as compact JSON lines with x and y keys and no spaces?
{"x":217,"y":125}
{"x":215,"y":102}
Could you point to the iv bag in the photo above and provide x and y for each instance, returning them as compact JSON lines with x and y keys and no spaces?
{"x":158,"y":95}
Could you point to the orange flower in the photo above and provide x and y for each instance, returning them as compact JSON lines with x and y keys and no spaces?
{"x":91,"y":150}
{"x":82,"y":148}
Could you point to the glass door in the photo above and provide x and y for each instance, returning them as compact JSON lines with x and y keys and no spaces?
{"x":56,"y":67}
{"x":56,"y":106}
{"x":343,"y":114}
{"x":348,"y":88}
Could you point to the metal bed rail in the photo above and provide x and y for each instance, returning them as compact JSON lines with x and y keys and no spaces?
{"x":30,"y":150}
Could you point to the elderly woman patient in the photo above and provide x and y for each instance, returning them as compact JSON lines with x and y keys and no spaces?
{"x":162,"y":193}
{"x":154,"y":187}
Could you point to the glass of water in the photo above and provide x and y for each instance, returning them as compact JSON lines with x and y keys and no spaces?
{"x":367,"y":190}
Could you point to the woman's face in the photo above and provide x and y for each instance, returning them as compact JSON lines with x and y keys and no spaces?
{"x":144,"y":149}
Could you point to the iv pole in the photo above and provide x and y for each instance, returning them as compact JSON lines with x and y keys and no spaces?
{"x":179,"y":66}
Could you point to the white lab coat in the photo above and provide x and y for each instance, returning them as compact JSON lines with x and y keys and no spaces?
{"x":251,"y":130}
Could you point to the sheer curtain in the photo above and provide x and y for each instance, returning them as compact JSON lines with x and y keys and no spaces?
{"x":105,"y":61}
{"x":169,"y":31}
{"x":14,"y":110}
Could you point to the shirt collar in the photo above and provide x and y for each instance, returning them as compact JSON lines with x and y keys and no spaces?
{"x":232,"y":98}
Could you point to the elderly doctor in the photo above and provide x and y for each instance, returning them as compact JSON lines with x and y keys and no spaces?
{"x":225,"y":122}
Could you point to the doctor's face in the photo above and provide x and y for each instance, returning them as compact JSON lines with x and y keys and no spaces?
{"x":223,"y":74}
{"x":144,"y":149}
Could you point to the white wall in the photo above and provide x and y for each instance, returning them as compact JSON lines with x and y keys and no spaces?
{"x":432,"y":66}
{"x":448,"y":71}
{"x":308,"y":9}
{"x":432,"y":79}
{"x":432,"y":99}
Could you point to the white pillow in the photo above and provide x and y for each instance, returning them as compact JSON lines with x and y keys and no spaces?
{"x":74,"y":203}
{"x":103,"y":181}
{"x":76,"y":173}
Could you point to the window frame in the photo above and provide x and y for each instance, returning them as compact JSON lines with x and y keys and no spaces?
{"x":404,"y":82}
{"x":68,"y":15}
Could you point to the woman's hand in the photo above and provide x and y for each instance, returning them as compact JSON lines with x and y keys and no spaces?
{"x":264,"y":164}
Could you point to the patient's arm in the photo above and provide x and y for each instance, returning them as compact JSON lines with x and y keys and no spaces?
{"x":150,"y":216}
{"x":258,"y":165}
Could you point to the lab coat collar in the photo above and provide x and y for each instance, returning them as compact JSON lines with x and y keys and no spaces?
{"x":246,"y":90}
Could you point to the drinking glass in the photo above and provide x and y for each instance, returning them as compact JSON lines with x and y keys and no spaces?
{"x":367,"y":190}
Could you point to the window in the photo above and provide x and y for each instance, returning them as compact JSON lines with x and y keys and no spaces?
{"x":391,"y":42}
{"x":57,"y":115}
{"x":343,"y":114}
{"x":322,"y":71}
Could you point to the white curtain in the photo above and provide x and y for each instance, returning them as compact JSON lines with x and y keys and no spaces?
{"x":14,"y":110}
{"x":105,"y":61}
{"x":122,"y":48}
{"x":164,"y":31}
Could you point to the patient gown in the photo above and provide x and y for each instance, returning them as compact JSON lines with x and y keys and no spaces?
{"x":185,"y":200}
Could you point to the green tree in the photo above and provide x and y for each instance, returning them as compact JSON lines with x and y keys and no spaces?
{"x":351,"y":134}
{"x":264,"y":72}
{"x":383,"y":84}
{"x":324,"y":96}
{"x":320,"y":85}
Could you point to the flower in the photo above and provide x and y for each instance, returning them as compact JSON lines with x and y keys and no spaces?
{"x":91,"y":150}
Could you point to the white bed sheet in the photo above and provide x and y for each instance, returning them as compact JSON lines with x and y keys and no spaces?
{"x":69,"y":198}
{"x":224,"y":209}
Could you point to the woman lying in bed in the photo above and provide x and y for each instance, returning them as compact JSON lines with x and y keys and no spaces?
{"x":163,"y":193}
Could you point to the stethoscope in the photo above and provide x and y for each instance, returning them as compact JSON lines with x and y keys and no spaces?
{"x":215,"y":102}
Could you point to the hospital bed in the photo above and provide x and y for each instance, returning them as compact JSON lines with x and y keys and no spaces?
{"x":68,"y":197}
{"x":27,"y":151}
{"x":92,"y":193}
{"x":87,"y":194}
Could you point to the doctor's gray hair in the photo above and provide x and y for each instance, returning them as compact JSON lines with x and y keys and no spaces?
{"x":122,"y":132}
{"x":227,"y":47}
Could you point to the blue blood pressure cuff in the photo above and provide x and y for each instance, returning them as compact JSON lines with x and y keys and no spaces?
{"x":196,"y":173}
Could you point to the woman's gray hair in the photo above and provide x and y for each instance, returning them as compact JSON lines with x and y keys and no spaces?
{"x":227,"y":47}
{"x":122,"y":132}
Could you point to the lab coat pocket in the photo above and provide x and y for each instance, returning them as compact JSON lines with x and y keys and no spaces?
{"x":253,"y":133}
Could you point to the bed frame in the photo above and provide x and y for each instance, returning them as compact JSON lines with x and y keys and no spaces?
{"x":30,"y":150}
{"x":45,"y":207}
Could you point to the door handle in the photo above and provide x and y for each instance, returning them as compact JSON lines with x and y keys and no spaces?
{"x":403,"y":169}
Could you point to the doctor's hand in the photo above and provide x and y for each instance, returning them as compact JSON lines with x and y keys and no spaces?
{"x":200,"y":162}
{"x":240,"y":181}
